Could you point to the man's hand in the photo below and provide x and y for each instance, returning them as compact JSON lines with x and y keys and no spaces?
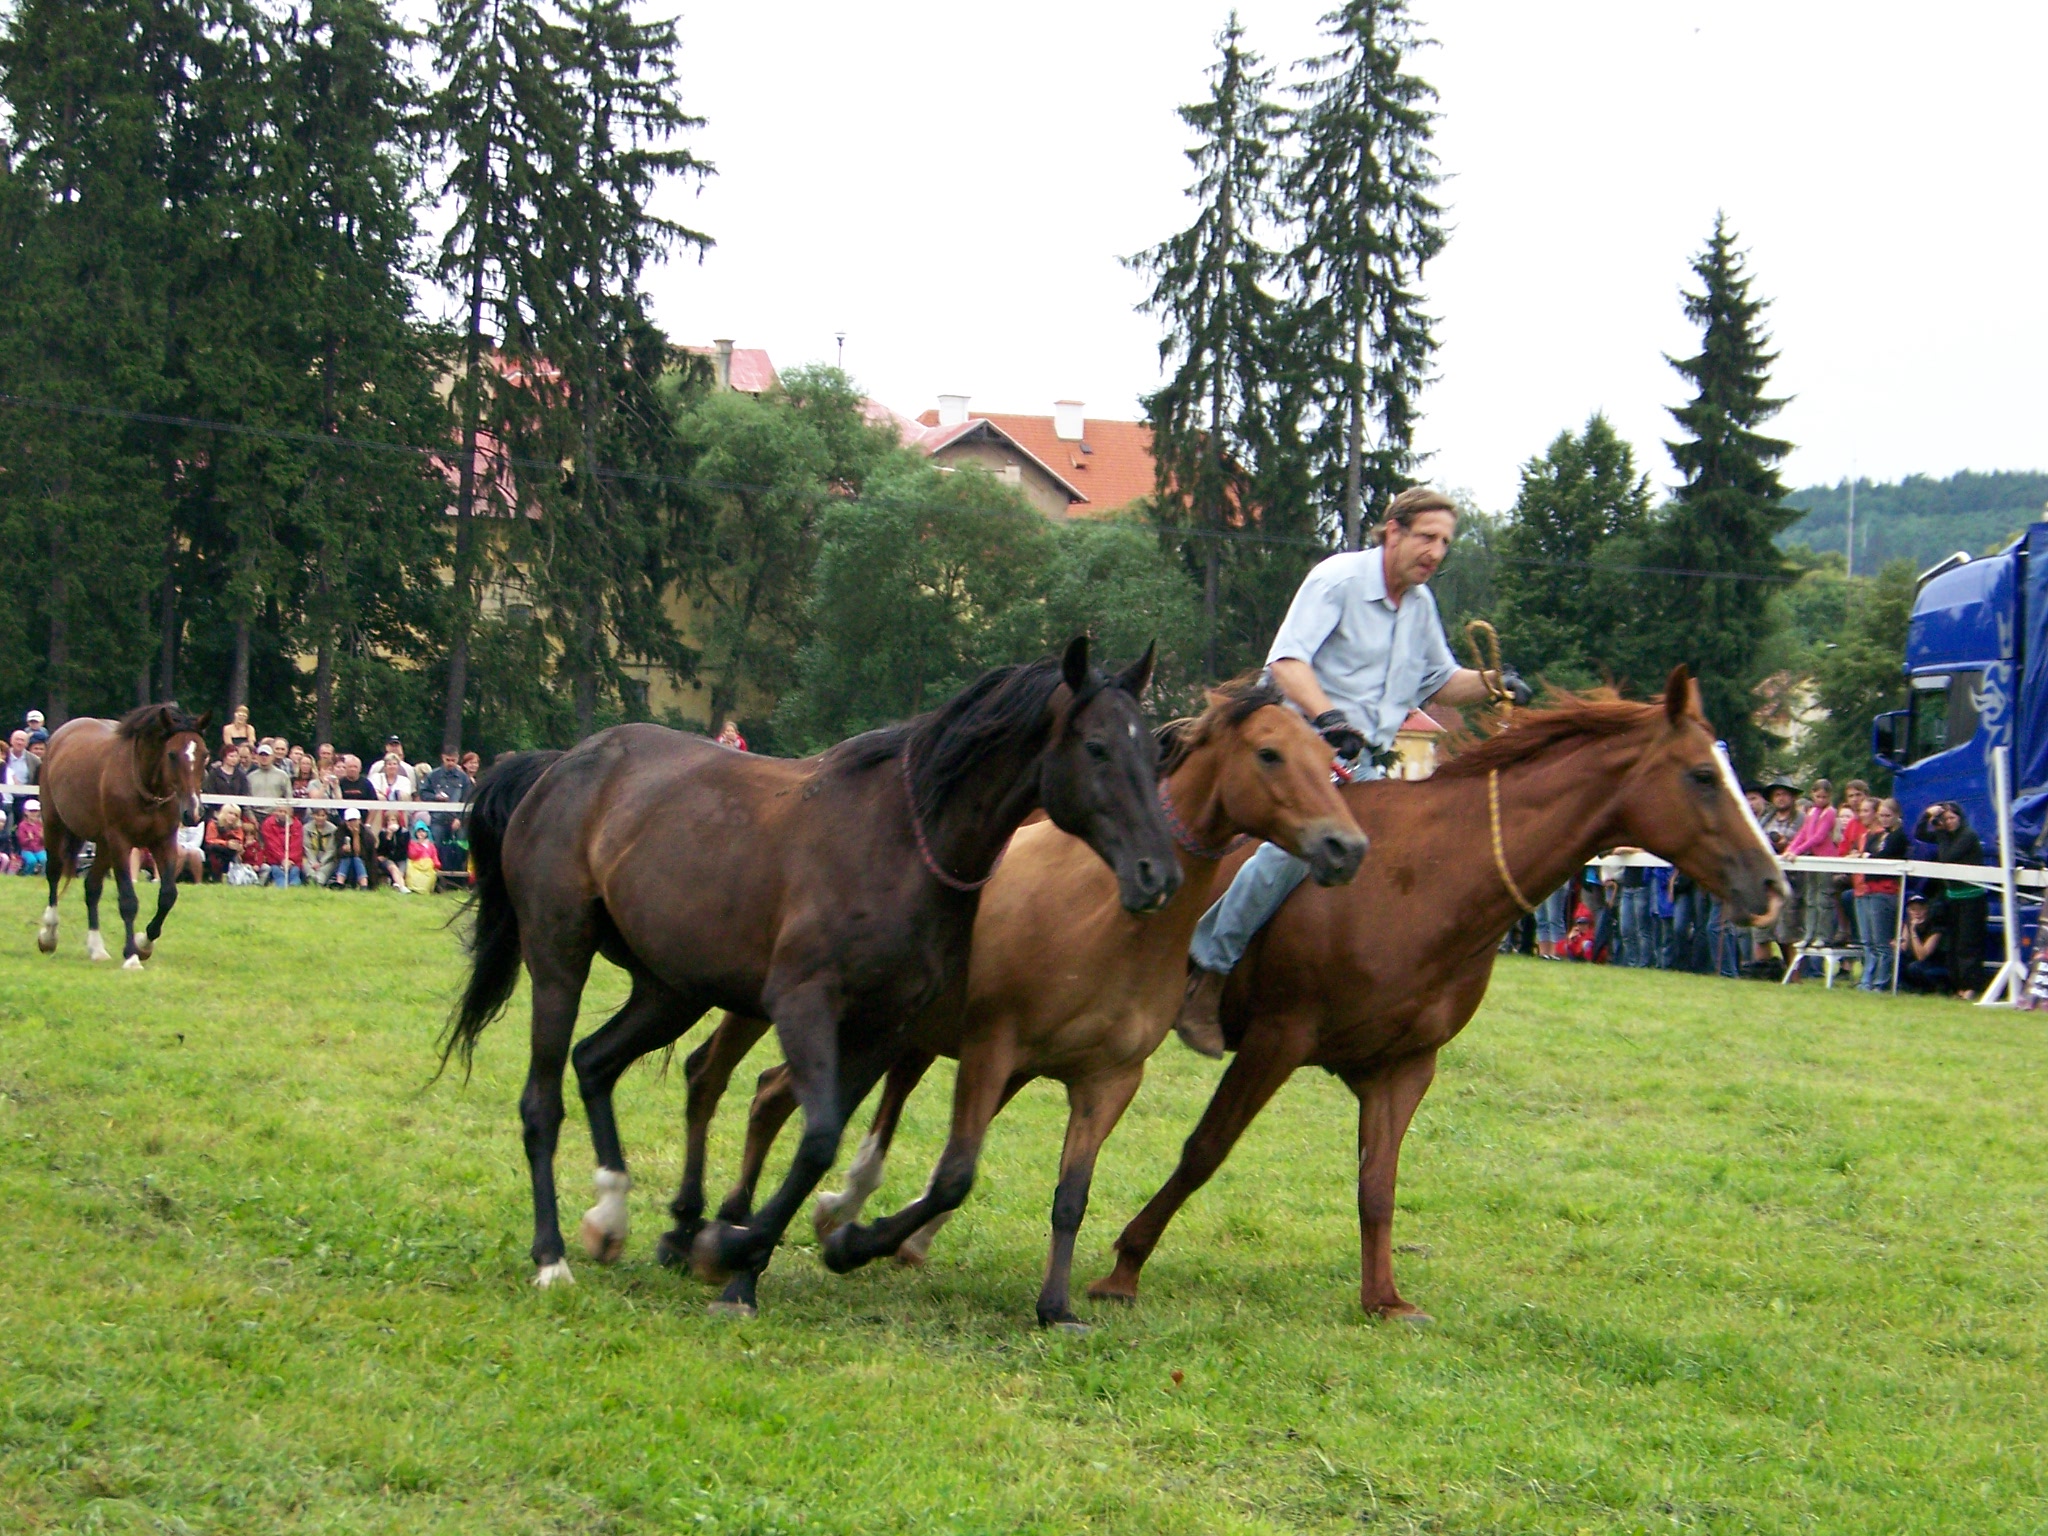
{"x":1519,"y":693}
{"x":1345,"y":739}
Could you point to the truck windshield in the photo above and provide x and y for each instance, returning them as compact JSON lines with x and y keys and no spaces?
{"x":1944,"y":712}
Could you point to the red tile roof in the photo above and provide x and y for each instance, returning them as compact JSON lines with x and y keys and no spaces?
{"x":752,"y":372}
{"x":1423,"y":724}
{"x":1111,"y":465}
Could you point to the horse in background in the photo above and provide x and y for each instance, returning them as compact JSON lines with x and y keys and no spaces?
{"x":834,"y":895}
{"x":120,"y":785}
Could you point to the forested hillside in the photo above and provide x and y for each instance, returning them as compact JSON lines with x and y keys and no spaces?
{"x":1918,"y":519}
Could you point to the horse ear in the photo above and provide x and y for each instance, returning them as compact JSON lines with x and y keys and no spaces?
{"x":1074,"y":665}
{"x":1681,"y":695}
{"x":1134,"y":677}
{"x":203,"y":722}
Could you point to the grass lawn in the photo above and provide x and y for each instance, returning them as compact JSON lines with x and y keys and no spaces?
{"x":1704,"y":1256}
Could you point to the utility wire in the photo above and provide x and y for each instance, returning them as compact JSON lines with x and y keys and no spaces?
{"x":334,"y":440}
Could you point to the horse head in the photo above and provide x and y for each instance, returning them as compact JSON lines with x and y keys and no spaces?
{"x":170,"y":755}
{"x":1268,"y":776}
{"x":1098,"y":778}
{"x":1682,"y":802}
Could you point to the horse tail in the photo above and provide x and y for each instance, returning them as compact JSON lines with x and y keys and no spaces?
{"x":493,"y":941}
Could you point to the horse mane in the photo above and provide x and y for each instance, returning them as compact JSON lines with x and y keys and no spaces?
{"x":155,"y":723}
{"x":1229,"y":703}
{"x":946,"y":743}
{"x":1598,"y":713}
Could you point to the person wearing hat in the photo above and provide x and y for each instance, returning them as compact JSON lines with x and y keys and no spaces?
{"x":1923,"y":965}
{"x":267,"y":781}
{"x":352,"y":862}
{"x":422,"y":857}
{"x":28,"y":838}
{"x":1781,"y":824}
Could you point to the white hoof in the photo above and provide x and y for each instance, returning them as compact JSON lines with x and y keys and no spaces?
{"x":46,"y":932}
{"x":831,"y":1211}
{"x":145,"y":947}
{"x":132,"y":963}
{"x":605,"y":1224}
{"x":554,"y":1274}
{"x":96,"y":947}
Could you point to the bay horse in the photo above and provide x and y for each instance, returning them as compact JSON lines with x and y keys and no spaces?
{"x":1371,"y":983}
{"x":1062,"y":983}
{"x":120,"y":785}
{"x":835,"y":896}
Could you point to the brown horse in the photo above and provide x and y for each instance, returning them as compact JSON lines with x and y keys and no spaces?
{"x":120,"y":785}
{"x":1370,"y":984}
{"x":1087,"y":1012}
{"x":835,"y":896}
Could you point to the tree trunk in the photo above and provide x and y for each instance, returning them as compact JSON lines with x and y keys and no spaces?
{"x":323,"y":690}
{"x":142,"y":665}
{"x":1354,"y":447}
{"x":238,"y":671}
{"x":57,"y":708}
{"x":167,"y":622}
{"x":465,"y":509}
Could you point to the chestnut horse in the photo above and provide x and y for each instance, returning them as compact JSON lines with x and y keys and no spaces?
{"x":835,"y":896}
{"x":1370,"y":984}
{"x":120,"y":785}
{"x":1087,"y":1014}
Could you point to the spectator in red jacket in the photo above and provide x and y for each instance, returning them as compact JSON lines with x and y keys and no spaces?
{"x":284,"y":846}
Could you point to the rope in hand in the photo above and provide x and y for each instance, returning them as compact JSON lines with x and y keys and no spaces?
{"x":1490,"y":676}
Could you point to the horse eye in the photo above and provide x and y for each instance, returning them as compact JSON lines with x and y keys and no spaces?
{"x":1269,"y":757}
{"x":1098,"y":751}
{"x":1706,"y":778}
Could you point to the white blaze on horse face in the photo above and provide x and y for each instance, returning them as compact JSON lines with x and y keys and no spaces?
{"x":1734,"y":788}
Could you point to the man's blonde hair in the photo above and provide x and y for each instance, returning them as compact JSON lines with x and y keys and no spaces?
{"x":1411,"y":504}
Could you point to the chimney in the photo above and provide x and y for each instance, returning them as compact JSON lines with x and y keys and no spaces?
{"x":952,"y":410}
{"x":724,"y":363}
{"x":1067,"y":420}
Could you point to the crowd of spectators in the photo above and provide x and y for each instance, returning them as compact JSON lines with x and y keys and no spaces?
{"x":278,"y":841}
{"x":1621,"y":913}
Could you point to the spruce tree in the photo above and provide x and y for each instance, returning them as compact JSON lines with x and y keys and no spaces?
{"x":1358,"y":194}
{"x":1721,"y":526}
{"x":1215,"y":432}
{"x":1553,"y":597}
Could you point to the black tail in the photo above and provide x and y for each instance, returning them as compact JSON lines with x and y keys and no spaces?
{"x":494,"y":935}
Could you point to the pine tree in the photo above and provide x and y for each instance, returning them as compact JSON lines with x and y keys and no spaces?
{"x":610,"y":549}
{"x":1552,"y":593}
{"x":1727,"y":513}
{"x":1358,"y":196}
{"x":1215,"y":432}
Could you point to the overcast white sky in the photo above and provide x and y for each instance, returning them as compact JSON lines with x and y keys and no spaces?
{"x":952,"y":187}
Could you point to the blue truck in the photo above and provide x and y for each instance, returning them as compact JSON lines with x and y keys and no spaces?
{"x":1977,"y":679}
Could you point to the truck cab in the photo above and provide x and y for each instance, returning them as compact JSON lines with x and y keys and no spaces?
{"x":1976,"y":648}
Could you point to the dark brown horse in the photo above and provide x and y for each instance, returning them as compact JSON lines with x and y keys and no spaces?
{"x":120,"y":785}
{"x":1370,"y":982}
{"x":1063,"y":983}
{"x":835,"y":896}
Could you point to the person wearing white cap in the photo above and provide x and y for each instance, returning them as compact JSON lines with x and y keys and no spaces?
{"x":267,"y":781}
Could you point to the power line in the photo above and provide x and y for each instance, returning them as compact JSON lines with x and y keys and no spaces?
{"x":335,"y":441}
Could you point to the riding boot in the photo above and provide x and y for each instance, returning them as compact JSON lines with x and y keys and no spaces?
{"x":1199,"y":1023}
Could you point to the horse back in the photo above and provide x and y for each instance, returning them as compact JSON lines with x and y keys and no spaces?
{"x":74,"y":782}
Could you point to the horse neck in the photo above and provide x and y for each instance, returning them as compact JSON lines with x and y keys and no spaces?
{"x":1556,"y":810}
{"x":976,"y":816}
{"x":1195,"y":792}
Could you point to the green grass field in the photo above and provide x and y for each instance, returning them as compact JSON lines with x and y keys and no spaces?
{"x":1704,"y":1257}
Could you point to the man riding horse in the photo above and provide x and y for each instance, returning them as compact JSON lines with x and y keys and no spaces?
{"x":1361,"y":646}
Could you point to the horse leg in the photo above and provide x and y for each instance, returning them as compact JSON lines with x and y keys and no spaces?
{"x":1094,"y":1105}
{"x":1265,"y":1061}
{"x":95,"y":880}
{"x":828,"y":1085}
{"x":1386,"y":1103}
{"x":773,"y":1103}
{"x":912,"y":1251}
{"x":708,"y":1070}
{"x":832,"y":1211}
{"x":55,"y":852}
{"x":977,"y":1095}
{"x":166,"y":855}
{"x":557,"y":991}
{"x":129,"y":904}
{"x":653,"y":1015}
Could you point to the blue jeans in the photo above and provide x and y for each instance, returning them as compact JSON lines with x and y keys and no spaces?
{"x":1267,"y":879}
{"x":1635,"y":926}
{"x":285,"y":874}
{"x":1725,"y":941}
{"x":350,"y":868}
{"x":1554,"y":914}
{"x":1877,"y":917}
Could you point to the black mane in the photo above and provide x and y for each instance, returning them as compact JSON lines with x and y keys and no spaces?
{"x":946,"y":743}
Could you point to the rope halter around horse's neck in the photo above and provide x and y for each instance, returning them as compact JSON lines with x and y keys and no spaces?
{"x":924,"y":848}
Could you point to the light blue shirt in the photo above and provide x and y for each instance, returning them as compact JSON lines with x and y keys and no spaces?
{"x":1376,"y":661}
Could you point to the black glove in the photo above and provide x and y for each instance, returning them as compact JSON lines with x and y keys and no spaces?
{"x":1518,"y":692}
{"x":1345,"y":739}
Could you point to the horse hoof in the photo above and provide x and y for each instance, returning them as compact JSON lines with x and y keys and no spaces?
{"x":672,"y":1249}
{"x":738,"y":1311}
{"x":1064,"y":1325}
{"x":132,"y":963}
{"x":707,"y":1253}
{"x":46,"y":940}
{"x":145,"y":947}
{"x":837,"y":1251}
{"x":909,"y":1258}
{"x":605,"y":1247}
{"x":551,"y":1275}
{"x":825,"y":1218}
{"x":94,"y":950}
{"x":1111,"y":1288}
{"x":1413,"y":1317}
